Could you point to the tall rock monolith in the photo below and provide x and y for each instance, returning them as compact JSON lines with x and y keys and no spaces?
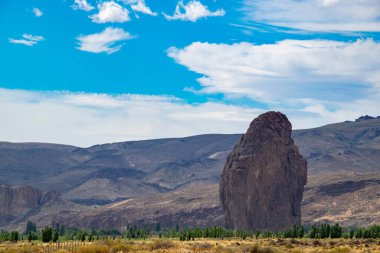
{"x":263,"y":179}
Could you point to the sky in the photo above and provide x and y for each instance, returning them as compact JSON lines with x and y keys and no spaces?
{"x":85,"y":72}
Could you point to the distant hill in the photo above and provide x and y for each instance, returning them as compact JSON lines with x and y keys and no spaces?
{"x":347,"y":146}
{"x":104,"y":173}
{"x":343,"y":161}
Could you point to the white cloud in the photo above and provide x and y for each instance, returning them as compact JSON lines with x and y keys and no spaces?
{"x":28,"y":40}
{"x":110,"y":12}
{"x":314,"y":81}
{"x":107,"y":41}
{"x":317,"y":15}
{"x":22,"y":41}
{"x":82,"y":5}
{"x":85,"y":119}
{"x":37,"y":12}
{"x":193,"y":11}
{"x":36,"y":38}
{"x":140,"y":6}
{"x":289,"y":69}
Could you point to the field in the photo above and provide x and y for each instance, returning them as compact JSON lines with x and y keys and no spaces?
{"x":200,"y":245}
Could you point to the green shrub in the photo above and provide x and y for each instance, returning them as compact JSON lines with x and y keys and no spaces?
{"x":14,"y":236}
{"x":47,"y":234}
{"x":55,"y":236}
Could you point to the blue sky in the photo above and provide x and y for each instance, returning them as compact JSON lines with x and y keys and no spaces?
{"x":85,"y":72}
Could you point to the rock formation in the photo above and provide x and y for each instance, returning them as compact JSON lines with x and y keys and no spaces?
{"x":263,"y":179}
{"x":16,"y":201}
{"x":20,"y":203}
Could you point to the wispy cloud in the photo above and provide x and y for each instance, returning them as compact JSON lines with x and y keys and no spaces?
{"x":37,"y":12}
{"x":36,"y":38}
{"x":107,"y":41}
{"x":110,"y":12}
{"x":140,"y":6}
{"x":192,"y":11}
{"x":82,"y":5}
{"x":87,"y":118}
{"x":22,"y":41}
{"x":28,"y":40}
{"x":317,"y":15}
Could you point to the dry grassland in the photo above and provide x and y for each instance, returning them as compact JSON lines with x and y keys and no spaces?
{"x":204,"y":245}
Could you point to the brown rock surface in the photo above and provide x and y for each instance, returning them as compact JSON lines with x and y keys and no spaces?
{"x":195,"y":206}
{"x":16,"y":201}
{"x":263,"y":179}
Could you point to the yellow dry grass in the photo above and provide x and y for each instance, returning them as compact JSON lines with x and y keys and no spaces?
{"x":157,"y":245}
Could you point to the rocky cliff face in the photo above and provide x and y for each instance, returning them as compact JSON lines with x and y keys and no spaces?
{"x":20,"y":203}
{"x":263,"y":179}
{"x":16,"y":201}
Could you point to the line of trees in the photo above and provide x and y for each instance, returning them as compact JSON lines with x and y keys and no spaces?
{"x":317,"y":232}
{"x":56,"y":233}
{"x":137,"y":233}
{"x":327,"y":231}
{"x":60,"y":233}
{"x":9,"y":236}
{"x":209,"y":232}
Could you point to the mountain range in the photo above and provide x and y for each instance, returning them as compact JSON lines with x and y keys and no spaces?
{"x":175,"y":181}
